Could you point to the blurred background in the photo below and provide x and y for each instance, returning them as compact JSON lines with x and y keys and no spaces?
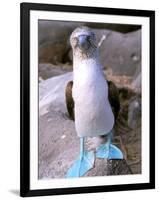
{"x":120,"y":54}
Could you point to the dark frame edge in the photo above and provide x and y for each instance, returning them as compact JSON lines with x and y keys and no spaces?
{"x":87,"y":9}
{"x":93,"y":189}
{"x":152,"y":98}
{"x":24,"y":102}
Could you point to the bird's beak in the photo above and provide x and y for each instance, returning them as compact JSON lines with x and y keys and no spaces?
{"x":83,"y":42}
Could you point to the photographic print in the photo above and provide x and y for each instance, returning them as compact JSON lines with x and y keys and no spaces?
{"x":87,"y":85}
{"x":106,"y":75}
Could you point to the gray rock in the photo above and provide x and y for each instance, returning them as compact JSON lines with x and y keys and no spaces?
{"x":134,"y":113}
{"x":118,"y":51}
{"x":59,"y":31}
{"x":48,"y":70}
{"x":58,"y":141}
{"x":136,"y":83}
{"x":121,"y":52}
{"x":52,"y":93}
{"x":59,"y":148}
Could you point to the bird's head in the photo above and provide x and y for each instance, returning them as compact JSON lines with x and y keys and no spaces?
{"x":83,"y":42}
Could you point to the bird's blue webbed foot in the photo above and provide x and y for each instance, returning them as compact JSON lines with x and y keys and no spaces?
{"x":84,"y":163}
{"x":108,"y":150}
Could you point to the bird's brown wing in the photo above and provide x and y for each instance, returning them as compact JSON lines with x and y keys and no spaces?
{"x":69,"y":99}
{"x":113,"y":95}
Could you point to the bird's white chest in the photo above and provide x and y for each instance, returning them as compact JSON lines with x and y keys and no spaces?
{"x":88,"y":83}
{"x":93,"y":114}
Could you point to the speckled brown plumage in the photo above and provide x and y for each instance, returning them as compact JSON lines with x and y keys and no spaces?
{"x":113,"y":96}
{"x":69,"y":100}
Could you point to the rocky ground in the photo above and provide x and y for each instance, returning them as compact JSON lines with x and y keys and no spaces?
{"x":58,"y":142}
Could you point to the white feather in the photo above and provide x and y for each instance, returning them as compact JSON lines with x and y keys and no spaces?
{"x":93,"y":114}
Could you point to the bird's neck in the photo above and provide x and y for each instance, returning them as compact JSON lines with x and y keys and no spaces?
{"x":86,"y":70}
{"x":91,"y":61}
{"x":80,"y":62}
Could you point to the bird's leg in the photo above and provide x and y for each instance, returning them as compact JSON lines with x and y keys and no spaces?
{"x":81,"y":148}
{"x":110,"y":135}
{"x":83,"y":164}
{"x":108,"y":150}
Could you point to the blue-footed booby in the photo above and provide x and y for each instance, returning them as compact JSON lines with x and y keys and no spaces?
{"x":91,"y":100}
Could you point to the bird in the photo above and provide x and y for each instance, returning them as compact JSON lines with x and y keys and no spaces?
{"x":92,"y":102}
